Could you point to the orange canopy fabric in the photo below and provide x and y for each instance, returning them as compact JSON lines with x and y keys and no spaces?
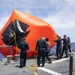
{"x":37,"y":27}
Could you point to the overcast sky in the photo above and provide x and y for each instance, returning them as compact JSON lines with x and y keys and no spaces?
{"x":58,"y":13}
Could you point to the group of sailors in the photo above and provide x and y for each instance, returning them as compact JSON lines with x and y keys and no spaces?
{"x":62,"y":45}
{"x":43,"y":48}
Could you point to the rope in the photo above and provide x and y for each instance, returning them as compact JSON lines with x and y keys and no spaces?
{"x":15,"y":42}
{"x":13,"y":39}
{"x":33,"y":68}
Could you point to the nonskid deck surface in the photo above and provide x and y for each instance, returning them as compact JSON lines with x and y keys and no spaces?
{"x":57,"y":67}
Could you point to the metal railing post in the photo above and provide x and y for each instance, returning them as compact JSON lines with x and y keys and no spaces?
{"x":71,"y":65}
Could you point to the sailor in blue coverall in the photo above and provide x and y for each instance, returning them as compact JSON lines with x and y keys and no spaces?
{"x":23,"y":53}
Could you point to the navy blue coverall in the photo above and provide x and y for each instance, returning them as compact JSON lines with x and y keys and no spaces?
{"x":41,"y":47}
{"x":69,"y":45}
{"x":23,"y":54}
{"x":65,"y":47}
{"x":58,"y":48}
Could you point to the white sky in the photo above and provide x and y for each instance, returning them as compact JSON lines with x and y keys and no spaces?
{"x":58,"y":13}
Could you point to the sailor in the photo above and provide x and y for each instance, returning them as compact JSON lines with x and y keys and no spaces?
{"x":41,"y":47}
{"x":65,"y":46}
{"x":48,"y":50}
{"x":23,"y":53}
{"x":69,"y":44}
{"x":58,"y":47}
